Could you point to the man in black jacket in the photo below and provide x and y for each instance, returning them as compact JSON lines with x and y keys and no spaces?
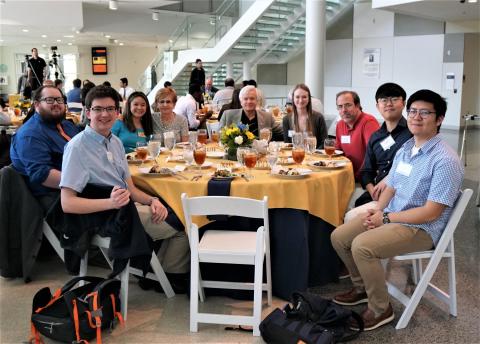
{"x":198,"y":74}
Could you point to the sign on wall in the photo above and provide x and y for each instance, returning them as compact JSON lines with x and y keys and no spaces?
{"x":371,"y":62}
{"x":99,"y":60}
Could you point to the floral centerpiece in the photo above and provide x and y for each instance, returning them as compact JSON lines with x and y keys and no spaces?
{"x":234,"y":136}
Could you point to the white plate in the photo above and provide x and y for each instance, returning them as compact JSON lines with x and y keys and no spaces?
{"x":287,"y":161}
{"x":206,"y":164}
{"x":215,"y":154}
{"x":232,"y":166}
{"x":146,"y":171}
{"x":175,"y":158}
{"x":304,"y":172}
{"x":336,"y":164}
{"x":322,"y":152}
{"x":181,"y":144}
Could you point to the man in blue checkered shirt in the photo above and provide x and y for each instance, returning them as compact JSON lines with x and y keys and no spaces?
{"x":412,"y":212}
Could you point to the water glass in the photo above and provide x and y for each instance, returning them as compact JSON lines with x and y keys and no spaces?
{"x":202,"y":136}
{"x":272,"y":158}
{"x":240,"y":154}
{"x":311,"y":144}
{"x":297,"y":139}
{"x":265,"y":134}
{"x":154,"y":148}
{"x":192,"y":137}
{"x":188,"y":154}
{"x":169,"y":139}
{"x":250,"y":160}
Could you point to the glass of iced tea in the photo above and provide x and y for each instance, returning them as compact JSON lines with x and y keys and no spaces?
{"x":199,"y":154}
{"x":329,"y":146}
{"x":202,"y":136}
{"x":298,"y":154}
{"x":250,"y":160}
{"x":141,"y":151}
{"x":215,"y":136}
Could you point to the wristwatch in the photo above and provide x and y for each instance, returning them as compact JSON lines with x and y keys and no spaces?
{"x":386,"y":219}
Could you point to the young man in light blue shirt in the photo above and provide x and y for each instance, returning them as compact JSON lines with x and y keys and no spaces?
{"x":412,"y":212}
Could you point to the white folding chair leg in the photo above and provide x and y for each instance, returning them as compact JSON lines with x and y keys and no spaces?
{"x":83,"y":268}
{"x":194,"y":281}
{"x":452,"y":282}
{"x":258,"y":282}
{"x":201,"y":291}
{"x":53,"y":240}
{"x":124,"y":277}
{"x":162,"y":278}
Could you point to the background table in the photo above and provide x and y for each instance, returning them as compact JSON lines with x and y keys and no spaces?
{"x":303,"y":212}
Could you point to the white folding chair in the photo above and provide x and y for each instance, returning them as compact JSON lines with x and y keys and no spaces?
{"x":158,"y":275}
{"x":228,"y":247}
{"x":53,"y":240}
{"x":444,"y":249}
{"x":212,"y":126}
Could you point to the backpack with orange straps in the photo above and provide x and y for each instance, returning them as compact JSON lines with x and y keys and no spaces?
{"x":76,"y":314}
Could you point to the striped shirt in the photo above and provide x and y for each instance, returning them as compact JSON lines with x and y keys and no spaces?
{"x":434,"y":174}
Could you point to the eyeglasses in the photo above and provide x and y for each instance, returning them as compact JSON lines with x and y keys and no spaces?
{"x":345,"y":106}
{"x":51,"y":100}
{"x":109,"y":109}
{"x":412,"y":113}
{"x":385,"y":100}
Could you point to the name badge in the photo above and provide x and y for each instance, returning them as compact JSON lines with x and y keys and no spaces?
{"x":110,"y":156}
{"x":345,"y":139}
{"x":290,"y":133}
{"x":141,"y":134}
{"x":404,"y":169}
{"x":387,"y":143}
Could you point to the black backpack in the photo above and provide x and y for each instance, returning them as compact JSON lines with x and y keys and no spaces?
{"x":76,"y":314}
{"x":311,"y":319}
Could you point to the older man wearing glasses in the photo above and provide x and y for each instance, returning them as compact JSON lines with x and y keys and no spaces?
{"x":37,"y":148}
{"x":412,"y":212}
{"x":354,"y":129}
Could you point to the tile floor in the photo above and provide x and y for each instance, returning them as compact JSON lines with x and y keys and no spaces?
{"x":154,"y":319}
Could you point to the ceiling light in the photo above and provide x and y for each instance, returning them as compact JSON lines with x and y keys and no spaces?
{"x":113,"y":5}
{"x":59,"y":40}
{"x":108,"y":36}
{"x":68,"y":36}
{"x":170,"y":41}
{"x":77,"y":32}
{"x":69,"y":43}
{"x":44,"y":45}
{"x":25,"y":30}
{"x":472,"y":1}
{"x":155,"y":16}
{"x":115,"y":40}
{"x":120,"y":43}
{"x":44,"y":36}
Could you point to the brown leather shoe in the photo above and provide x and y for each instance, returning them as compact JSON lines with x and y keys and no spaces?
{"x":351,"y":298}
{"x":371,"y":322}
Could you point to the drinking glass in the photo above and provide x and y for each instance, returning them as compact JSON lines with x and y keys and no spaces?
{"x":202,"y":136}
{"x":329,"y":146}
{"x":141,"y":151}
{"x":188,"y":154}
{"x":311,"y":144}
{"x":266,"y":134}
{"x":169,"y":140}
{"x":199,"y":154}
{"x":298,"y":154}
{"x":272,"y":158}
{"x":192,"y":137}
{"x":274,"y":147}
{"x":240,"y":155}
{"x":297,"y":139}
{"x":215,"y":136}
{"x":154,"y":148}
{"x":250,"y":160}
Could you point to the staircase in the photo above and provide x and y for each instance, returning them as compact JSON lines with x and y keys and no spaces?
{"x":270,"y":31}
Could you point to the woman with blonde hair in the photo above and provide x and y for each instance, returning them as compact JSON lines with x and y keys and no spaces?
{"x":164,"y":119}
{"x":303,"y":118}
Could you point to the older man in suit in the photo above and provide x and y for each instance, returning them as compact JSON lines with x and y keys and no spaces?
{"x":249,"y":114}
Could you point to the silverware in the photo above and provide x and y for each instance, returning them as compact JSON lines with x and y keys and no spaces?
{"x":245,"y":177}
{"x":195,"y":178}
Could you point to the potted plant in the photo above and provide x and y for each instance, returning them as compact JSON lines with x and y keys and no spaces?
{"x":234,"y":136}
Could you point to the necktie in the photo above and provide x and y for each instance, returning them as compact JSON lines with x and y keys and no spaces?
{"x":124,"y":93}
{"x":64,"y":135}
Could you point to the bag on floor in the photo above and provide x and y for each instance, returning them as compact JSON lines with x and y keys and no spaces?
{"x":310,"y":319}
{"x":76,"y":314}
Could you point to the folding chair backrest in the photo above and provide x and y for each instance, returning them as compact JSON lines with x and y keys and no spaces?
{"x":455,"y":217}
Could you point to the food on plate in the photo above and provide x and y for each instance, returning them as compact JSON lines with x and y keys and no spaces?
{"x":222,"y":173}
{"x":227,"y":165}
{"x":161,"y":170}
{"x":288,"y":172}
{"x":325,"y":163}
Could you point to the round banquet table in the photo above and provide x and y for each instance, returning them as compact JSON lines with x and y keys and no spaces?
{"x":303,"y":213}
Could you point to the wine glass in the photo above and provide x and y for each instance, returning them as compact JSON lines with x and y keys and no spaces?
{"x":250,"y":160}
{"x":169,"y":140}
{"x":215,"y":136}
{"x":311,"y":144}
{"x":202,"y":136}
{"x":298,"y":154}
{"x":266,"y":134}
{"x":141,"y":151}
{"x":192,"y":138}
{"x":154,"y":148}
{"x":329,"y":146}
{"x":272,"y":154}
{"x":297,"y":139}
{"x":199,"y":154}
{"x":188,"y":154}
{"x":240,"y":155}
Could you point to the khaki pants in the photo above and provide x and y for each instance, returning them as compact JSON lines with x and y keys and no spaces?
{"x":361,"y":250}
{"x":177,"y":252}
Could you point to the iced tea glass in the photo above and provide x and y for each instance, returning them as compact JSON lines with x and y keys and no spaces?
{"x":199,"y":154}
{"x":250,"y":160}
{"x":329,"y":146}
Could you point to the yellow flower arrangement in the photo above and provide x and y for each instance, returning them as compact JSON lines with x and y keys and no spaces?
{"x":236,"y":135}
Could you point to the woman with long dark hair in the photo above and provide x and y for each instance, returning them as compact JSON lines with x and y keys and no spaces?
{"x":303,"y":118}
{"x":136,"y":124}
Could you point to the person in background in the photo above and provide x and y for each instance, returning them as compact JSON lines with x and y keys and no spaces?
{"x":411,"y":214}
{"x":37,"y":70}
{"x":74,"y":95}
{"x":37,"y":147}
{"x":234,"y":103}
{"x":303,"y":118}
{"x":382,"y":147}
{"x":187,"y":107}
{"x":58,"y":84}
{"x":136,"y":125}
{"x":197,"y":76}
{"x":224,"y":96}
{"x":208,"y":89}
{"x":4,"y":116}
{"x":48,"y":82}
{"x":164,"y":119}
{"x":87,"y":86}
{"x":354,"y":129}
{"x":107,"y":83}
{"x":167,"y":84}
{"x":125,"y":91}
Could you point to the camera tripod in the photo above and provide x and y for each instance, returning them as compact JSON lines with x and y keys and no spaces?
{"x":54,"y":64}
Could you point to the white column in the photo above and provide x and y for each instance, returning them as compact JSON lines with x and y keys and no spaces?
{"x":246,"y":70}
{"x":315,"y":47}
{"x":229,"y":69}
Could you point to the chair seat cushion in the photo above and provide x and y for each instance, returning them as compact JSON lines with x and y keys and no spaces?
{"x":228,"y":243}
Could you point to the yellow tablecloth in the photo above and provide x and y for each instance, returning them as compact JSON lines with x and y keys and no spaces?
{"x":324,"y":193}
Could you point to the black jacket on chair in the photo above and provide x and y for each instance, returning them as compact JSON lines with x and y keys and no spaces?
{"x":21,"y":221}
{"x":128,"y":238}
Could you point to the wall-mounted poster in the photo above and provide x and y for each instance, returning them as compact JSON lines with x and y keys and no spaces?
{"x":371,"y":62}
{"x":99,"y":60}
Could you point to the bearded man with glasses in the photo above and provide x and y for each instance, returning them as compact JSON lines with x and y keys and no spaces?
{"x":37,"y":147}
{"x":412,"y":212}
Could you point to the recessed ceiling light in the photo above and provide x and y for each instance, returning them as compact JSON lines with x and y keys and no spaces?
{"x":68,"y":36}
{"x":69,"y":43}
{"x":108,"y":36}
{"x":120,"y":43}
{"x":113,"y":5}
{"x":44,"y":36}
{"x":472,"y":1}
{"x":25,"y":30}
{"x":77,"y":32}
{"x":1,"y":40}
{"x":59,"y":40}
{"x":44,"y":45}
{"x":170,"y":41}
{"x":155,"y":16}
{"x":115,"y":40}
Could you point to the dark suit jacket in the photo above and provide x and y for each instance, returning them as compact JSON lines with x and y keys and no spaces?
{"x":265,"y":120}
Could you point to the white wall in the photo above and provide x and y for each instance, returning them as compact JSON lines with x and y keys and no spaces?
{"x":123,"y":61}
